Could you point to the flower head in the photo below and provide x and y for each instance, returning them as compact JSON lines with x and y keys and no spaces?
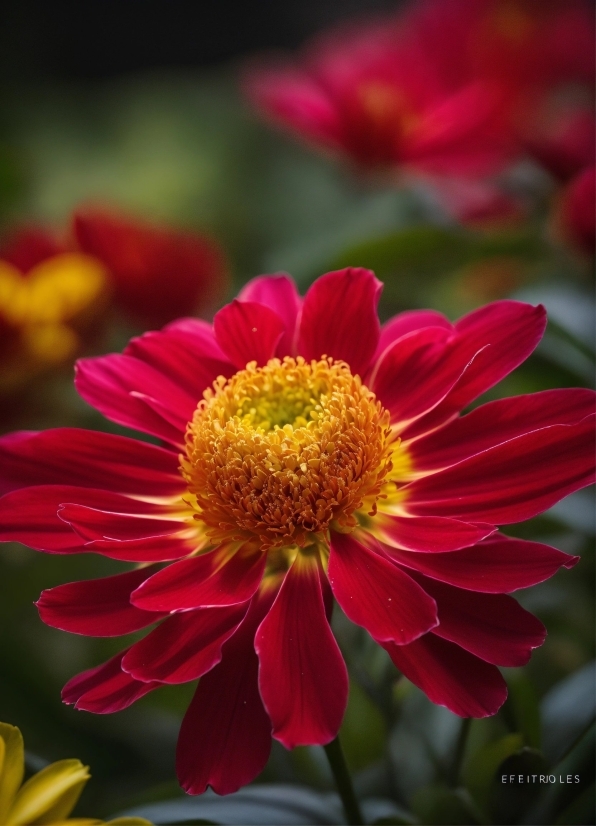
{"x":47,"y":797}
{"x":375,"y":94}
{"x":308,"y":454}
{"x":157,"y":273}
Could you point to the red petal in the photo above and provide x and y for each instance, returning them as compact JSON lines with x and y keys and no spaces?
{"x":208,"y":580}
{"x":513,"y":481}
{"x":68,"y":456}
{"x":498,"y":565}
{"x":491,"y":626}
{"x":374,"y":593}
{"x":417,"y":372}
{"x":247,"y":331}
{"x":97,"y":607}
{"x":302,"y":676}
{"x":508,"y":331}
{"x":153,"y":549}
{"x":450,"y":676}
{"x":116,"y":386}
{"x":91,"y":524}
{"x":226,"y":717}
{"x":498,"y":422}
{"x":30,"y":515}
{"x":105,"y":689}
{"x":404,"y":323}
{"x":279,"y":293}
{"x":434,"y":534}
{"x":296,"y":100}
{"x":183,"y":647}
{"x":191,"y":358}
{"x":339,"y":318}
{"x":158,"y":273}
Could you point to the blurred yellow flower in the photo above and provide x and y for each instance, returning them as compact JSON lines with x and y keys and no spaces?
{"x":40,"y":311}
{"x":47,"y":798}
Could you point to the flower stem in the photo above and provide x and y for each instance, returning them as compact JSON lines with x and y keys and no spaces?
{"x":460,"y":749}
{"x":343,"y":781}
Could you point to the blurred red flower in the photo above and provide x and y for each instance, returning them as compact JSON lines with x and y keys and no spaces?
{"x":158,"y":274}
{"x":451,"y":90}
{"x":301,"y":462}
{"x":373,"y":93}
{"x":575,"y":215}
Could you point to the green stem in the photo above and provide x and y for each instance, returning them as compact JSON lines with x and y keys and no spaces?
{"x":460,"y":749}
{"x":343,"y":781}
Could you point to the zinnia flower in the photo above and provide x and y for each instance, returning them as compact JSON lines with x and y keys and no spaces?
{"x":374,"y":94}
{"x":50,"y":795}
{"x":158,"y":273}
{"x":309,"y":454}
{"x":49,"y":297}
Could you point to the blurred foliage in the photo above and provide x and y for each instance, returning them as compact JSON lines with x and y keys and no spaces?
{"x":183,"y":149}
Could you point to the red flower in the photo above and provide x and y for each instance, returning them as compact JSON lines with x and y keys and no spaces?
{"x":576,"y":213}
{"x":540,"y":55}
{"x":309,"y":454}
{"x":158,"y":274}
{"x":375,"y":94}
{"x":515,"y":43}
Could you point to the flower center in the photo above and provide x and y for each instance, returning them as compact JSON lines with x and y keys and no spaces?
{"x":278,"y":453}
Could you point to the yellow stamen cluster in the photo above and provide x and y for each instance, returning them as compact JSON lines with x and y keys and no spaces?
{"x":277,"y":453}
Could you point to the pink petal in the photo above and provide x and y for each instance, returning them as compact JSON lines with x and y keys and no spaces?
{"x":227,"y":718}
{"x":183,"y":647}
{"x":509,"y":332}
{"x":105,"y":689}
{"x":494,"y":627}
{"x":433,"y":534}
{"x":68,"y":456}
{"x":191,"y":359}
{"x":498,"y":565}
{"x":295,"y":100}
{"x":339,"y":318}
{"x":417,"y":371}
{"x":91,"y":524}
{"x":210,"y":579}
{"x":30,"y":515}
{"x":513,"y":481}
{"x":450,"y":676}
{"x":279,"y":293}
{"x":302,"y":675}
{"x":97,"y":607}
{"x":112,"y":385}
{"x":498,"y":422}
{"x":404,"y":323}
{"x":374,"y":593}
{"x":247,"y":331}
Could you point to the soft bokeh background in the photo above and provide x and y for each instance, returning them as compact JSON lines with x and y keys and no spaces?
{"x":136,"y":105}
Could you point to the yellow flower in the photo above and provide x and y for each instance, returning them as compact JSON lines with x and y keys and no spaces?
{"x":40,"y":312}
{"x":47,"y":798}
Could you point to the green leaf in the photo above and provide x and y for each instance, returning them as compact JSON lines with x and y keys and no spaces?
{"x":509,"y":798}
{"x":567,"y":711}
{"x":263,"y":805}
{"x":438,"y":805}
{"x":568,"y":780}
{"x":524,"y":708}
{"x":482,"y":767}
{"x":581,"y":810}
{"x":363,"y":730}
